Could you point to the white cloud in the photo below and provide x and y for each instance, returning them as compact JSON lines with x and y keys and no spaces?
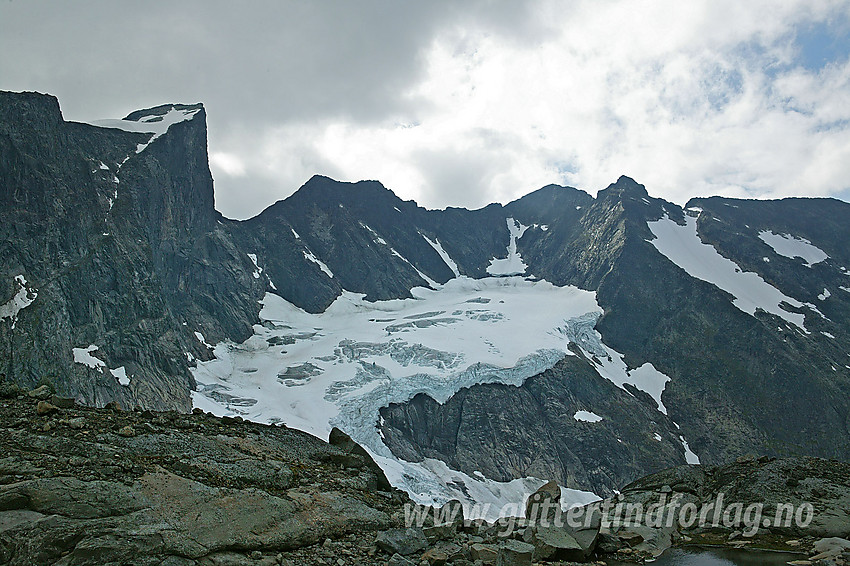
{"x":468,"y":104}
{"x":667,"y":92}
{"x":228,"y":163}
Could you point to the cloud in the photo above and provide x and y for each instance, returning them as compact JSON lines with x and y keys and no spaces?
{"x":465,"y":104}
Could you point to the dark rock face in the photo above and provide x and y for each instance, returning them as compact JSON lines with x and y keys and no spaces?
{"x":105,"y":245}
{"x":506,"y":432}
{"x":124,"y":250}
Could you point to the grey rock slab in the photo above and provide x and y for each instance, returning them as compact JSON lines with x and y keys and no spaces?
{"x":401,"y":541}
{"x":515,"y":553}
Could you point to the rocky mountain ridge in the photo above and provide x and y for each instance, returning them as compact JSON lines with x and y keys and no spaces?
{"x":118,"y":275}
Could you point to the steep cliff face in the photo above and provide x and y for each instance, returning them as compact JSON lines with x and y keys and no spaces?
{"x":115,"y":234}
{"x":505,"y":432}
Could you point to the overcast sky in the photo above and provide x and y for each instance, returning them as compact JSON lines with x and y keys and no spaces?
{"x":466,"y":103}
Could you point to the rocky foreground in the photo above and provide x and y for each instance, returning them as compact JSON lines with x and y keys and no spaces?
{"x":111,"y":486}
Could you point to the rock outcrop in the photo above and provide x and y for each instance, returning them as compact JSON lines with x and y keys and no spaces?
{"x":181,"y":489}
{"x":193,"y":489}
{"x":781,"y":504}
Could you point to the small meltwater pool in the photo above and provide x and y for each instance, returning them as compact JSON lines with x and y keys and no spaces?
{"x":720,"y":557}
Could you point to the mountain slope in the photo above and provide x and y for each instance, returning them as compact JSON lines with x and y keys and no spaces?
{"x":739,"y":382}
{"x":714,"y":330}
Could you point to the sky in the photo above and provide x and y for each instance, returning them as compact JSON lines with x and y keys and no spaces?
{"x":465,"y":103}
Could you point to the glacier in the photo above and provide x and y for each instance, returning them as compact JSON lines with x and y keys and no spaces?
{"x":337,"y":368}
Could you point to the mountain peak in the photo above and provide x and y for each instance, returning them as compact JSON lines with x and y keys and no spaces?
{"x":625,"y":186}
{"x":30,"y":110}
{"x":330,"y":191}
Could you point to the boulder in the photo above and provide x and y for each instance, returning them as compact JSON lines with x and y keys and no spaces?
{"x":435,"y":557}
{"x":554,"y":543}
{"x":450,"y":513}
{"x":631,"y":538}
{"x":486,"y":553}
{"x":832,"y":547}
{"x":542,"y":505}
{"x":344,"y":442}
{"x":609,"y":544}
{"x":8,"y":390}
{"x":440,"y":532}
{"x":44,"y":408}
{"x":42,"y":393}
{"x":401,"y":541}
{"x":515,"y":553}
{"x":63,"y":402}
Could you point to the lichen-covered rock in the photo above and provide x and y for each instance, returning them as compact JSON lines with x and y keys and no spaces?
{"x":190,"y":490}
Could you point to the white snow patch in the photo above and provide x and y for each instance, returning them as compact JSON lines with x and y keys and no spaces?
{"x":587,"y":416}
{"x":690,"y":457}
{"x":257,"y":269}
{"x":512,"y":264}
{"x":375,"y":237}
{"x":23,"y":298}
{"x":793,"y":246}
{"x":657,"y":437}
{"x":427,"y":279}
{"x":145,"y":125}
{"x":103,"y":166}
{"x":650,"y":380}
{"x":294,"y":233}
{"x":203,"y":340}
{"x":84,"y":356}
{"x":845,"y":289}
{"x":121,"y":374}
{"x":309,"y":256}
{"x":828,"y":335}
{"x":359,"y":356}
{"x":609,"y":363}
{"x":435,"y":243}
{"x":825,"y":295}
{"x":113,"y":198}
{"x":481,"y":498}
{"x":682,"y":246}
